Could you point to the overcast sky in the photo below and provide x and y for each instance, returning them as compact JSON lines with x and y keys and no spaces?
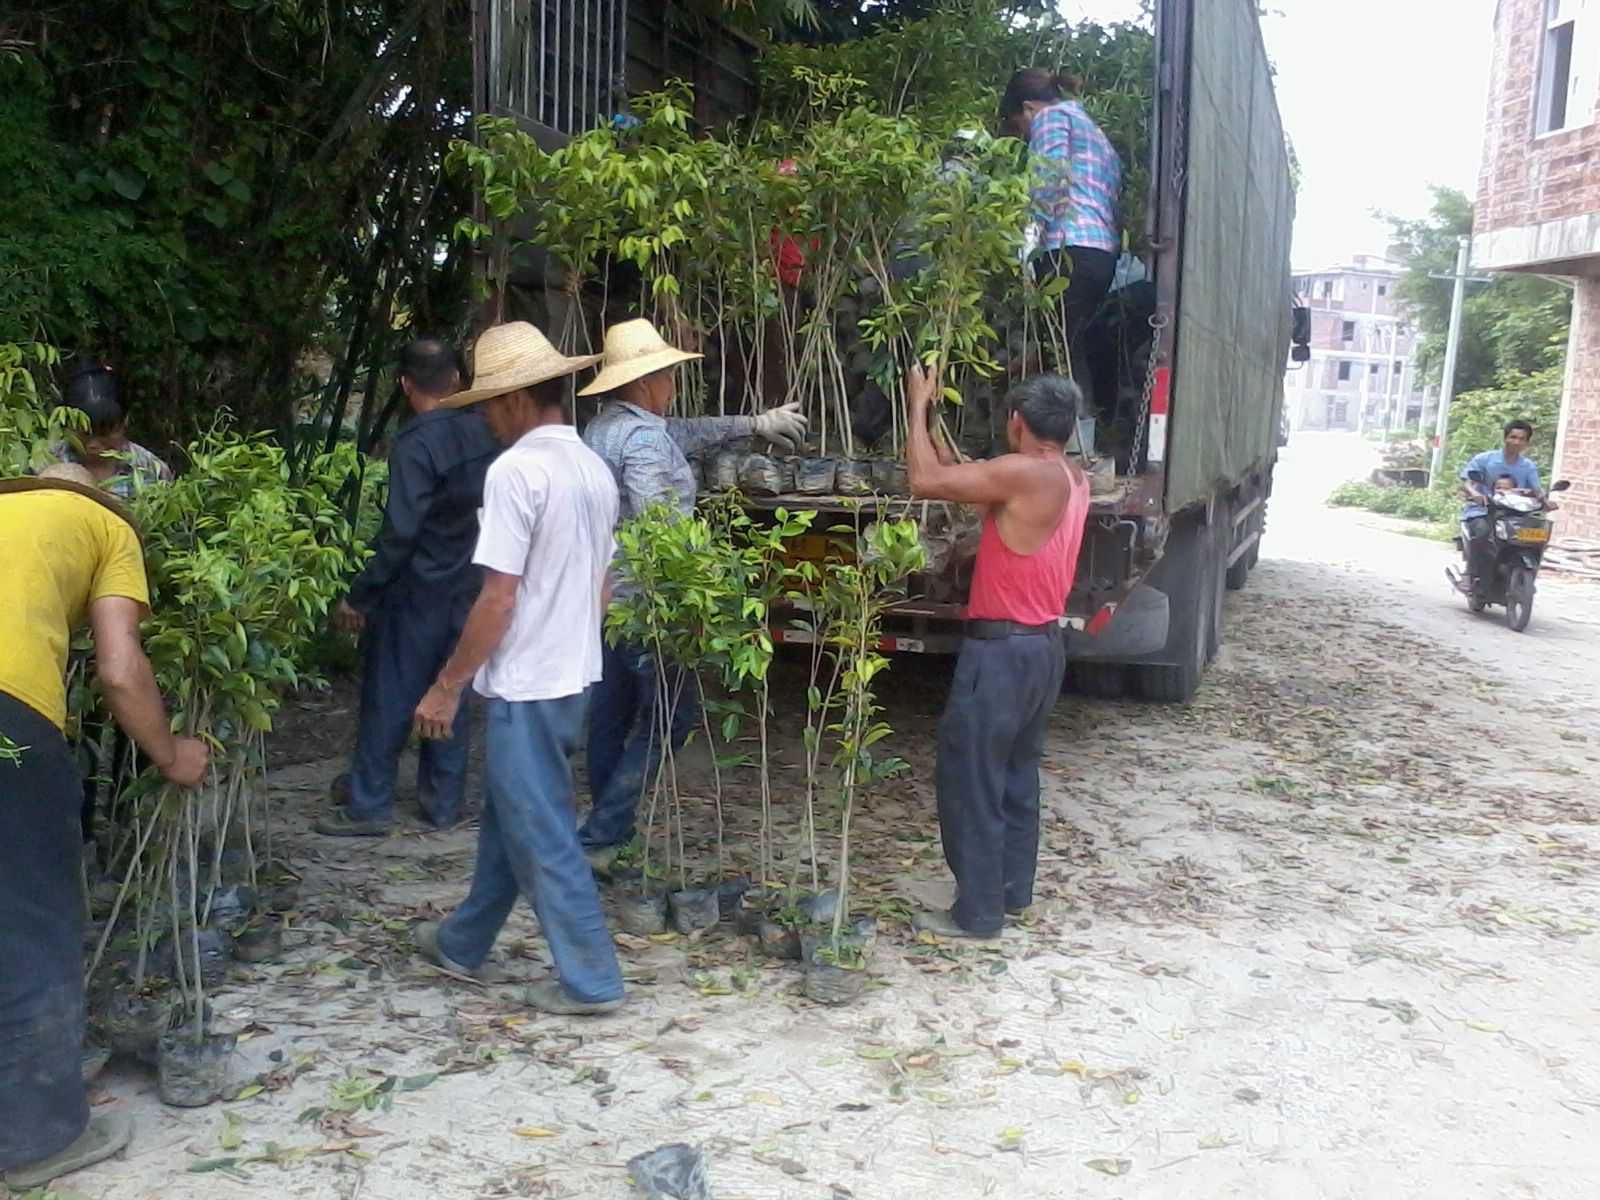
{"x":1381,"y":97}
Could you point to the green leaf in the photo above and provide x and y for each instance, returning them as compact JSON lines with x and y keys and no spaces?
{"x":128,"y":184}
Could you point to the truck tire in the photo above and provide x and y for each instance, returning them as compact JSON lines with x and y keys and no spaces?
{"x":1103,"y":681}
{"x":1193,"y":583}
{"x":1222,"y":539}
{"x":1239,"y":573}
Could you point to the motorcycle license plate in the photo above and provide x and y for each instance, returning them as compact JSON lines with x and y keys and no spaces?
{"x":1531,"y":535}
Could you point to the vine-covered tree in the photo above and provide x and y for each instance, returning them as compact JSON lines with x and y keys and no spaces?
{"x":204,"y":192}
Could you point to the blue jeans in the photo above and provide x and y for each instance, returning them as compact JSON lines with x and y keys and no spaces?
{"x":625,"y":741}
{"x":408,"y":639}
{"x":527,"y":844}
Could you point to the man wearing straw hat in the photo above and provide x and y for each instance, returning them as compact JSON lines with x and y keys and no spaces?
{"x":71,"y":553}
{"x":531,"y":649}
{"x":648,"y":453}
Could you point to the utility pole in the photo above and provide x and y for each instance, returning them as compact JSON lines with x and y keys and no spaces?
{"x":1452,"y":347}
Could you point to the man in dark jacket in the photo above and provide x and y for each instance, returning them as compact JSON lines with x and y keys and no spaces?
{"x":413,"y":596}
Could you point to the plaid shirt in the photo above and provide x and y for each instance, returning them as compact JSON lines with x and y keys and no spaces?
{"x":649,"y":455}
{"x":1079,"y":178}
{"x":138,"y":471}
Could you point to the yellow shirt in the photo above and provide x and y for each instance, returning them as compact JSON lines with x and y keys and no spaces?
{"x":59,"y":552}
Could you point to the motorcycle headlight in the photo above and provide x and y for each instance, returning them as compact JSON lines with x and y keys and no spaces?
{"x":1504,"y":529}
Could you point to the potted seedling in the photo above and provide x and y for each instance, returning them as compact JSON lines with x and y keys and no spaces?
{"x":836,"y":972}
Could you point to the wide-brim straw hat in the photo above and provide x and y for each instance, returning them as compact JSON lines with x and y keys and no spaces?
{"x":511,"y":357}
{"x":633,"y":350}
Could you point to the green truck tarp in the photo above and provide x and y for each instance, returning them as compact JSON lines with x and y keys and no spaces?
{"x":1234,"y":301}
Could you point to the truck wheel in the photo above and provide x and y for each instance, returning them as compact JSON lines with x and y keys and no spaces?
{"x":1218,"y":553}
{"x":1104,"y":681}
{"x":1192,"y":582}
{"x":1239,"y":573}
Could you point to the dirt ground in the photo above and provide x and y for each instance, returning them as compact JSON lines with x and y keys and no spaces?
{"x":1326,"y":932}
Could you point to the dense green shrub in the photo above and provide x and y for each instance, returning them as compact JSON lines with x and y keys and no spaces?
{"x":1477,"y":419}
{"x":1434,"y":505}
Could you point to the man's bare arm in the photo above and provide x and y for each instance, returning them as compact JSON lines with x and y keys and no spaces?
{"x":991,"y":481}
{"x":486,"y":626}
{"x":131,"y":693}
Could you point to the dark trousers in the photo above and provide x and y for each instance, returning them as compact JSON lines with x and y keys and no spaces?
{"x":1479,"y":563}
{"x":42,"y":1099}
{"x":625,"y":740}
{"x":990,"y":740}
{"x":1091,"y":274}
{"x":408,"y":638}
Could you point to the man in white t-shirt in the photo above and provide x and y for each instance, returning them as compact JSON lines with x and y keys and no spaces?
{"x":531,"y":649}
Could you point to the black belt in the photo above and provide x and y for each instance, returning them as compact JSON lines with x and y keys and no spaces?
{"x":989,"y":630}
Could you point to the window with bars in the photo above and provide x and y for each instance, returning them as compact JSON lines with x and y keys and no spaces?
{"x":557,"y":63}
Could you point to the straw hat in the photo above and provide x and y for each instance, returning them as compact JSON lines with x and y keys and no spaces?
{"x":633,"y":349}
{"x":511,"y":357}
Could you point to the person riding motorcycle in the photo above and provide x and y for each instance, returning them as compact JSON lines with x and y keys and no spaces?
{"x":1490,"y":467}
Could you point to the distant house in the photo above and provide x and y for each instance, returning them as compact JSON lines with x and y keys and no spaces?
{"x":1361,"y":374}
{"x":1538,"y":207}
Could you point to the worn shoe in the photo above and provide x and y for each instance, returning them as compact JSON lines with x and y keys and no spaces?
{"x":550,"y":996}
{"x":426,"y":936}
{"x":339,"y":823}
{"x":941,"y":923}
{"x":106,"y":1135}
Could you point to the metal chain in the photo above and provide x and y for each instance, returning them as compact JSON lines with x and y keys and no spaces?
{"x":1157,"y":324}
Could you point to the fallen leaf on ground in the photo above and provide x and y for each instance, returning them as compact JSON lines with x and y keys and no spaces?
{"x":1110,"y":1166}
{"x":534,"y":1131}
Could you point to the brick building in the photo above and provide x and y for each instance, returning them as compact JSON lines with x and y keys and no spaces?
{"x":1538,"y":207}
{"x":1362,"y":348}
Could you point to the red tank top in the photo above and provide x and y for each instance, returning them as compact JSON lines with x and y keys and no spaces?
{"x":1030,"y":589}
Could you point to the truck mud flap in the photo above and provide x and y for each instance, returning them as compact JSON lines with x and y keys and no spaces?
{"x":1138,"y":628}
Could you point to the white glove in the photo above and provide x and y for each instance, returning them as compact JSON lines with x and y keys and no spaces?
{"x":784,"y":426}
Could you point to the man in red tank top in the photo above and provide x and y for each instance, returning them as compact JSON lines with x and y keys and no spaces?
{"x":1034,"y":502}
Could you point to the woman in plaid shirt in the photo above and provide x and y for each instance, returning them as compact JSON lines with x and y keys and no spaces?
{"x":1079,"y":179}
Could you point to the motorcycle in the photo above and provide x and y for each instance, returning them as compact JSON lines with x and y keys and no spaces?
{"x":1519,"y":532}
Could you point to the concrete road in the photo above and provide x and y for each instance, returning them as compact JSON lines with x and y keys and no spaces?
{"x":1400,"y":578}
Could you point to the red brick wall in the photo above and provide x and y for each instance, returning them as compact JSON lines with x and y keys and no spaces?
{"x":1526,"y":179}
{"x":1580,"y":443}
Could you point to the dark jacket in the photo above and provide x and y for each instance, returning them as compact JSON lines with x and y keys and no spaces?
{"x":430,"y":524}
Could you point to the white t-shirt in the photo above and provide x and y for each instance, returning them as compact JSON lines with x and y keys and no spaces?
{"x":549,"y":506}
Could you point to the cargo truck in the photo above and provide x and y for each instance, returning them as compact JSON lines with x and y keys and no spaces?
{"x":1183,"y":519}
